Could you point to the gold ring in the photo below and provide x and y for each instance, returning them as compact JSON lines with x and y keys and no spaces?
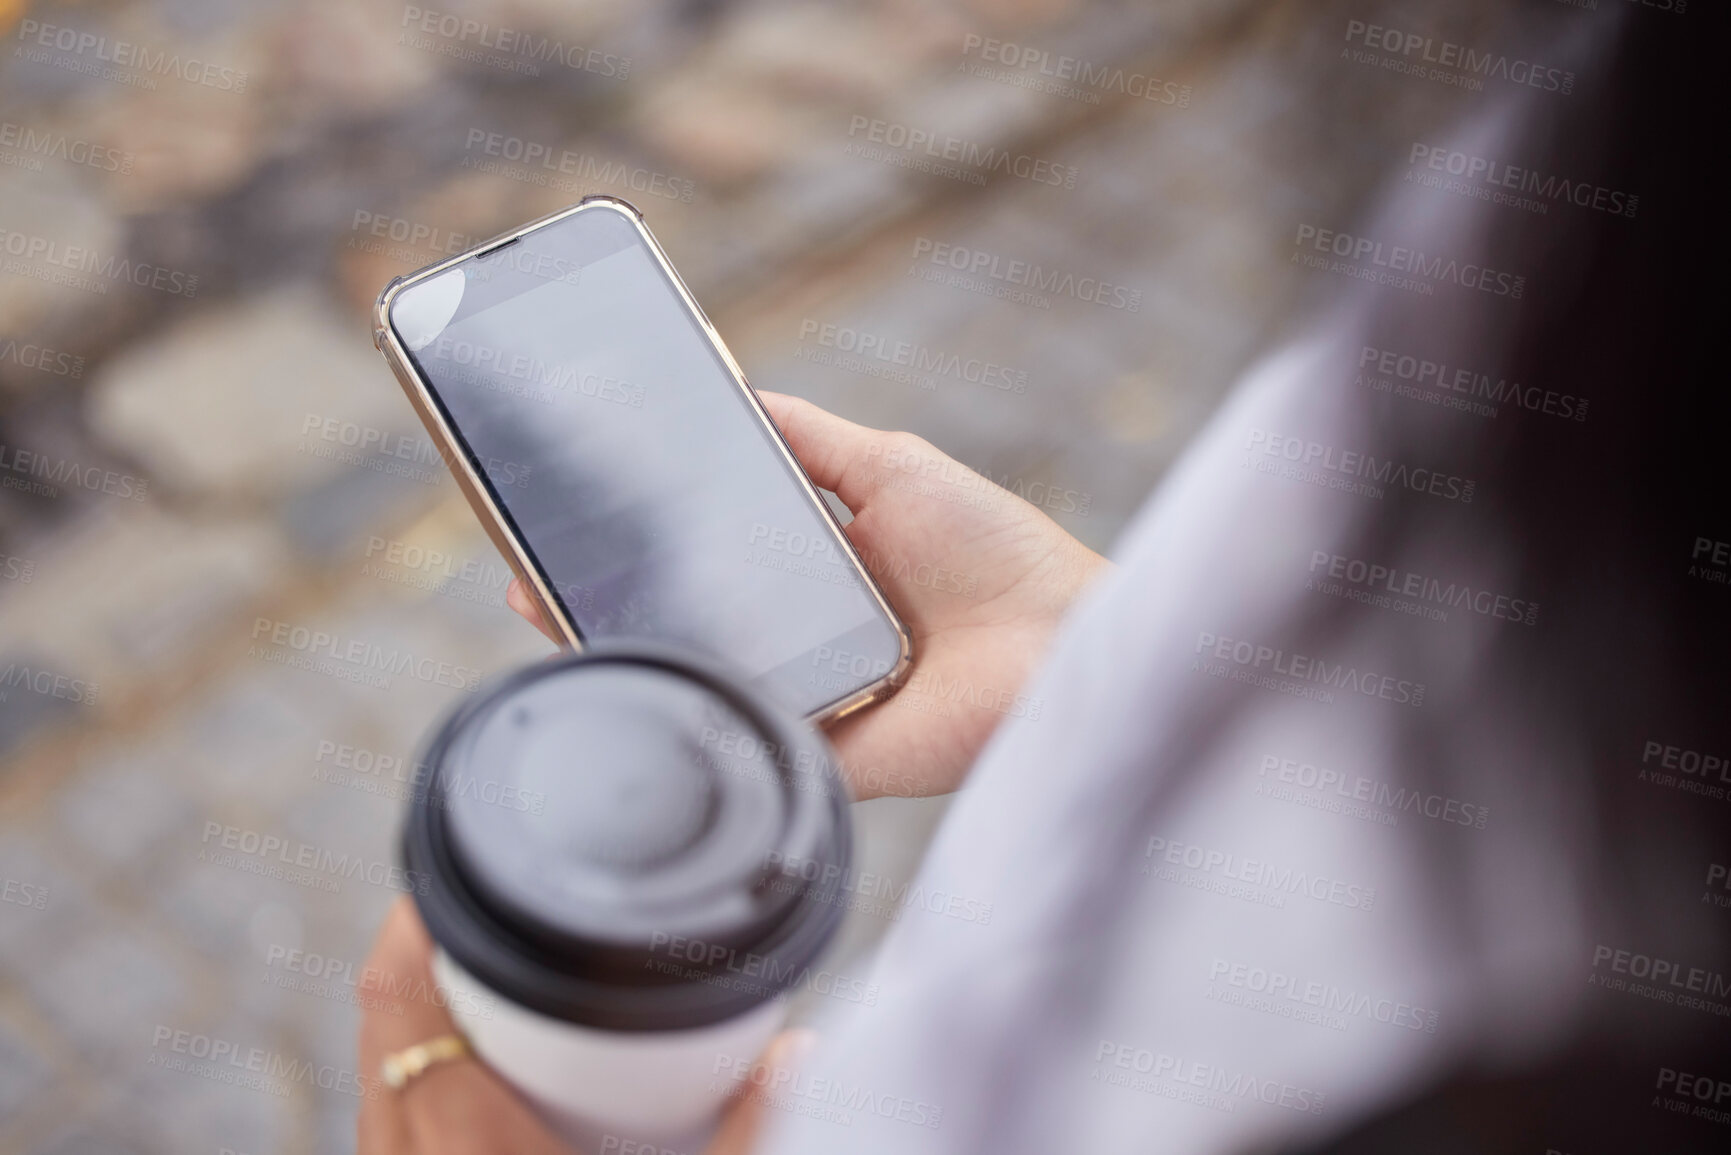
{"x":398,"y":1067}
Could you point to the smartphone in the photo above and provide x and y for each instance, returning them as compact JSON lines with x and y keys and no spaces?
{"x":618,"y":458}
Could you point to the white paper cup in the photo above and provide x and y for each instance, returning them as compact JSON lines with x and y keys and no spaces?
{"x":607,"y":841}
{"x":661,"y":1087}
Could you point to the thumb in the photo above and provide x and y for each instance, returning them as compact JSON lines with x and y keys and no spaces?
{"x":837,"y":454}
{"x":740,"y":1126}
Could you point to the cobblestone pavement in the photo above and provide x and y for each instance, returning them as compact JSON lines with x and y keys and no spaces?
{"x":204,"y":461}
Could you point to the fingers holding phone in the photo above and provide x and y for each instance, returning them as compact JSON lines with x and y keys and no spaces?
{"x":981,"y":577}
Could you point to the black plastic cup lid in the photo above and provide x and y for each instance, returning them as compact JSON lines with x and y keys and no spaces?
{"x":629,"y":839}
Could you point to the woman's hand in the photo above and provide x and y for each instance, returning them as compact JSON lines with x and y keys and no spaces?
{"x":460,"y":1107}
{"x":981,"y":578}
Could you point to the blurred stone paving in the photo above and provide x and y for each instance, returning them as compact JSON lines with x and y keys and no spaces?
{"x":259,"y":479}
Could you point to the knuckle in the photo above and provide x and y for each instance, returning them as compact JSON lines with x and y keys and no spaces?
{"x":904,"y":450}
{"x":911,"y":443}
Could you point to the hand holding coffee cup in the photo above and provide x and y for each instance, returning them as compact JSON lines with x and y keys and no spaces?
{"x":462,"y":1107}
{"x":630,"y":859}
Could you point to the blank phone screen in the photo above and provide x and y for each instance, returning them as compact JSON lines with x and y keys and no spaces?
{"x":614,"y":436}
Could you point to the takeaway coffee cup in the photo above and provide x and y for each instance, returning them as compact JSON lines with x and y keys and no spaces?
{"x":632,"y":859}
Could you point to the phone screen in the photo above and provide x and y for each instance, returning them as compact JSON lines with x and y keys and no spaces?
{"x":612,"y":433}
